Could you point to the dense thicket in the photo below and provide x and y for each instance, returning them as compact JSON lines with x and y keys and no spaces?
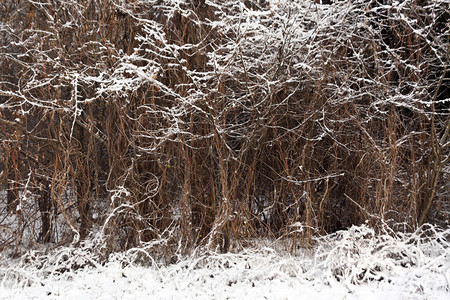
{"x":188,"y":123}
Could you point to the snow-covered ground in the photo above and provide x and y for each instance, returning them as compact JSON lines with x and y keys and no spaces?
{"x":352,"y":264}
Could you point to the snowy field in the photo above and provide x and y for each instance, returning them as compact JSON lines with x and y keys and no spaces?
{"x":353,"y":264}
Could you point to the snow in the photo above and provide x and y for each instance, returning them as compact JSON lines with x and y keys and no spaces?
{"x":353,"y":264}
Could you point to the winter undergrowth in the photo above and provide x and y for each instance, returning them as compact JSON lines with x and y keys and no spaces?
{"x":352,"y":263}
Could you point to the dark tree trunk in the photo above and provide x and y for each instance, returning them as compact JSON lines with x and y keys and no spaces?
{"x":45,"y":206}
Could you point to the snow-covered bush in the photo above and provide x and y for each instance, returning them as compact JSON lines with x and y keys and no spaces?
{"x":209,"y":123}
